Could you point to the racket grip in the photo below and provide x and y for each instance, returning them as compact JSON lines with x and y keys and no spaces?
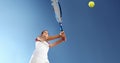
{"x":61,"y":27}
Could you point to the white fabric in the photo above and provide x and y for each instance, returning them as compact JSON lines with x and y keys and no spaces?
{"x":40,"y":54}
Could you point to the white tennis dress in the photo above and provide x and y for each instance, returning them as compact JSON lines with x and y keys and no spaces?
{"x":40,"y":54}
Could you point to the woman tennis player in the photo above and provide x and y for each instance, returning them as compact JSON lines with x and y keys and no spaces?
{"x":40,"y":54}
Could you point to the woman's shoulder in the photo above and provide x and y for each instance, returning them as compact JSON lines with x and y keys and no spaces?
{"x":38,"y":39}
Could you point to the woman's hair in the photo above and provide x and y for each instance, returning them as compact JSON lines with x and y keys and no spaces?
{"x":43,"y":31}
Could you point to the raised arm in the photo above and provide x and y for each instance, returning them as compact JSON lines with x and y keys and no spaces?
{"x":56,"y":36}
{"x":53,"y":37}
{"x":62,"y":39}
{"x":56,"y":43}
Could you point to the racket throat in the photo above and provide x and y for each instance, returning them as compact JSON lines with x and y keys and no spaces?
{"x":61,"y":27}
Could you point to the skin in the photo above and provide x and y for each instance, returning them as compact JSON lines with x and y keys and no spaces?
{"x":45,"y":37}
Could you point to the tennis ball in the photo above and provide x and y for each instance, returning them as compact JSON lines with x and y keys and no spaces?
{"x":91,"y":4}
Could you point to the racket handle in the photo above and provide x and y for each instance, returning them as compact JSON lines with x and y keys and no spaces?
{"x":61,"y":27}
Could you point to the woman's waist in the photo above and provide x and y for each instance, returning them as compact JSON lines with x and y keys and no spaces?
{"x":41,"y":52}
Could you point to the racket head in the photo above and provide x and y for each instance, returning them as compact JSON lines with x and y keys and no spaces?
{"x":57,"y":9}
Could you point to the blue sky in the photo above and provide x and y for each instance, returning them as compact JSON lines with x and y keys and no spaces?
{"x":92,"y":34}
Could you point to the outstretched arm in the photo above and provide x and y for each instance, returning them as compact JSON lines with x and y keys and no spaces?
{"x":56,"y":36}
{"x":63,"y":38}
{"x":53,"y":37}
{"x":56,"y":43}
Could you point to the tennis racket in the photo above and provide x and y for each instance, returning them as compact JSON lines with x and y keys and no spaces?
{"x":58,"y":12}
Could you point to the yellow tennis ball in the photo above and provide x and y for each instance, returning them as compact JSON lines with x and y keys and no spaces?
{"x":91,"y":4}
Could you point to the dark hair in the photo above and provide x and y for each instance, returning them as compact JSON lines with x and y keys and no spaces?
{"x":43,"y":31}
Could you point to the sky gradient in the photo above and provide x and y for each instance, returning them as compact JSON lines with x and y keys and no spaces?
{"x":93,"y":35}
